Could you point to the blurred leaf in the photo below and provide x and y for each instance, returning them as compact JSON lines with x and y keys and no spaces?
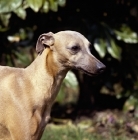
{"x":3,"y":29}
{"x":61,"y":2}
{"x":9,"y":63}
{"x":25,"y":4}
{"x":53,"y":5}
{"x":114,"y":50}
{"x":35,"y":4}
{"x":104,"y":43}
{"x":45,"y":7}
{"x":13,"y":38}
{"x":5,"y":18}
{"x":100,"y":47}
{"x":126,"y":34}
{"x":22,"y":58}
{"x":22,"y":34}
{"x":20,"y":12}
{"x":86,"y":123}
{"x":130,"y":104}
{"x":69,"y":90}
{"x":9,"y":5}
{"x":71,"y":80}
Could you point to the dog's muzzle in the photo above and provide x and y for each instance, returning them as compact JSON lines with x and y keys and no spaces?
{"x":100,"y":68}
{"x":91,"y":66}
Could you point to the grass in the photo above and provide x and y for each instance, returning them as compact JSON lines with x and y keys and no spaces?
{"x":75,"y":132}
{"x":65,"y":132}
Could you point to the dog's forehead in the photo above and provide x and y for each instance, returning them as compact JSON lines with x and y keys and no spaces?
{"x":73,"y":36}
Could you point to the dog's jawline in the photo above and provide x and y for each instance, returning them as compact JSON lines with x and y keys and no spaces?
{"x":86,"y":72}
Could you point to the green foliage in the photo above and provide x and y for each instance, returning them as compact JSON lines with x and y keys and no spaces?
{"x":69,"y":90}
{"x":19,"y":8}
{"x":76,"y":132}
{"x":23,"y":59}
{"x":45,"y":7}
{"x":67,"y":132}
{"x":126,"y":34}
{"x":102,"y":125}
{"x":100,"y":46}
{"x":104,"y":46}
{"x":35,"y":4}
{"x":5,"y":19}
{"x":118,"y":43}
{"x":7,"y":6}
{"x":114,"y":50}
{"x":20,"y":12}
{"x":105,"y":42}
{"x":20,"y":56}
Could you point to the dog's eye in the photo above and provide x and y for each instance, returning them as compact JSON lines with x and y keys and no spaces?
{"x":75,"y":48}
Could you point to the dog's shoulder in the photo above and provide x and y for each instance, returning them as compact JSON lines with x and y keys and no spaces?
{"x":6,"y":71}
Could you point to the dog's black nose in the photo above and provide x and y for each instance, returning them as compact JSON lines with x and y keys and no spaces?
{"x":100,"y":67}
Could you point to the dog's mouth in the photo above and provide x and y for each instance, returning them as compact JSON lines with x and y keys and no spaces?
{"x":86,"y":72}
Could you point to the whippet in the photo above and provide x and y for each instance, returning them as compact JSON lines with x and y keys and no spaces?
{"x":27,"y":94}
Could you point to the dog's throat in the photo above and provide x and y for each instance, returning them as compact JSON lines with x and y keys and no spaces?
{"x":52,"y":67}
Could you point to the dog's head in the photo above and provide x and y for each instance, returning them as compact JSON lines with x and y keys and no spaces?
{"x":71,"y":50}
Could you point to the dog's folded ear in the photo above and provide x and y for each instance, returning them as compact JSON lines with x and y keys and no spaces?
{"x":44,"y":40}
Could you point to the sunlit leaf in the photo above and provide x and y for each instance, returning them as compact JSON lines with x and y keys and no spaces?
{"x":25,"y":4}
{"x":126,"y":34}
{"x":13,"y":38}
{"x":53,"y":5}
{"x":71,"y":80}
{"x":35,"y":4}
{"x":20,"y":12}
{"x":45,"y":7}
{"x":100,"y":47}
{"x":5,"y":18}
{"x":114,"y":50}
{"x":130,"y":103}
{"x":69,"y":89}
{"x":61,"y":2}
{"x":9,"y":5}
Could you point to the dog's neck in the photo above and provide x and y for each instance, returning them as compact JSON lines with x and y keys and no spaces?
{"x":48,"y":80}
{"x":54,"y":74}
